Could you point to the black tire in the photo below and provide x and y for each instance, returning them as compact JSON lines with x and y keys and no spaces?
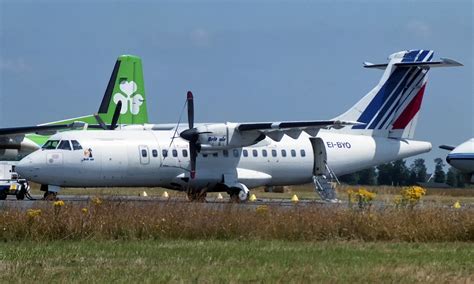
{"x":49,"y":195}
{"x":20,"y":195}
{"x":3,"y":195}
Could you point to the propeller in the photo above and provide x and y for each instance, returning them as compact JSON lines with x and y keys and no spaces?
{"x":191,"y":134}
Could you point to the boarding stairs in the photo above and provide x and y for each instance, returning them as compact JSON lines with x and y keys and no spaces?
{"x":323,"y":185}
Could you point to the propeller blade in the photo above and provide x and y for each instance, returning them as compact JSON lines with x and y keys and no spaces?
{"x":193,"y":156}
{"x":100,"y":121}
{"x":116,"y":116}
{"x":190,"y":101}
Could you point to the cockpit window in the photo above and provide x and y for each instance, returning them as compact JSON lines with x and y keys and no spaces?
{"x":64,"y":145}
{"x":50,"y":144}
{"x":76,"y":145}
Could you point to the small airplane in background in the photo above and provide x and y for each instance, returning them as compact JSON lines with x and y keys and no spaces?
{"x":234,"y":157}
{"x":125,"y":86}
{"x":461,"y":158}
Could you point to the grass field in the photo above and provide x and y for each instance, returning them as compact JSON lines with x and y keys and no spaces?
{"x":182,"y":242}
{"x":235,"y":261}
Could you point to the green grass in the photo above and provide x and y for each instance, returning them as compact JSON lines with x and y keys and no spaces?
{"x":234,"y":261}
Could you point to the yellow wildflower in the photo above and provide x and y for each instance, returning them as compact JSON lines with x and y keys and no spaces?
{"x":32,"y":213}
{"x":262,"y":209}
{"x":58,"y":203}
{"x":84,"y":210}
{"x":96,"y":201}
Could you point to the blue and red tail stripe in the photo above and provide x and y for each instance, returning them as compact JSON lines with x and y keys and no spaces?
{"x":394,"y":93}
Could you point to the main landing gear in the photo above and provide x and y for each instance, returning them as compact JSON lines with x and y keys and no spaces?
{"x":239,"y":195}
{"x":48,"y":194}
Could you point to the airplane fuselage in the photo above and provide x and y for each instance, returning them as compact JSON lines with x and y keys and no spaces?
{"x":145,"y":158}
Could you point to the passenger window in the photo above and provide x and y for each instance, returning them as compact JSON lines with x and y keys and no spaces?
{"x":185,"y":153}
{"x":225,"y":153}
{"x":50,"y":144}
{"x":303,"y":153}
{"x":264,"y":152}
{"x":165,"y":153}
{"x":274,"y":153}
{"x":76,"y":145}
{"x":283,"y":153}
{"x":255,"y":153}
{"x":236,"y":153}
{"x":144,"y":153}
{"x":215,"y":154}
{"x":245,"y":153}
{"x":64,"y":145}
{"x":293,"y":153}
{"x":154,"y":153}
{"x":175,"y":153}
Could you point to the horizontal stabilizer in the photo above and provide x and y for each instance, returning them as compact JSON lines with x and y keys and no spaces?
{"x":444,"y":62}
{"x":447,"y":147}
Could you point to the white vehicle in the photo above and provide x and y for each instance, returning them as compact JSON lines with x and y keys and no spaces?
{"x":461,"y":158}
{"x":11,"y":183}
{"x":234,"y":157}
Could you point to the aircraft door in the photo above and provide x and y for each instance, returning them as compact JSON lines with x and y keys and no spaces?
{"x":320,"y":156}
{"x":144,"y":154}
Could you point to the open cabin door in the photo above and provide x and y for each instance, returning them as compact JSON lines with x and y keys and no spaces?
{"x":320,"y":156}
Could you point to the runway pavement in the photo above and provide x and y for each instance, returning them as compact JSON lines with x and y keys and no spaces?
{"x":83,"y":200}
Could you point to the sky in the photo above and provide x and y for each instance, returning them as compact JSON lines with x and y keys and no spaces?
{"x":243,"y":60}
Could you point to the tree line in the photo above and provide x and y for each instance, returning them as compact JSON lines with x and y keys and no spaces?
{"x":397,"y":173}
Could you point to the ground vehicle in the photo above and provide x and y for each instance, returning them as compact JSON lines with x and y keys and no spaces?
{"x":11,"y":183}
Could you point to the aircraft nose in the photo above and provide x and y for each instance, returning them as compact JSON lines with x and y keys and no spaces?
{"x":28,"y":166}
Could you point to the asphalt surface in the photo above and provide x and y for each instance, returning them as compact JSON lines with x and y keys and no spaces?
{"x":83,"y":200}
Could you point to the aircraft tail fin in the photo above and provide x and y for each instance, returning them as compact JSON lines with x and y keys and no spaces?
{"x":126,"y":84}
{"x":392,"y":107}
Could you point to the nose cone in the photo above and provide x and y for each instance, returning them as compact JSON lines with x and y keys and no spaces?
{"x":29,"y":166}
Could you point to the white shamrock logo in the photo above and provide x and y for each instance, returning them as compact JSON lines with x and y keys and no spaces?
{"x":135,"y":101}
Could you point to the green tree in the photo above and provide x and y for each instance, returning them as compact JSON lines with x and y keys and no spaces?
{"x":460,"y":179}
{"x":451,"y":177}
{"x":400,"y":173}
{"x":367,"y":176}
{"x":420,"y":169}
{"x":439,"y":174}
{"x":351,"y":179}
{"x":384,"y":174}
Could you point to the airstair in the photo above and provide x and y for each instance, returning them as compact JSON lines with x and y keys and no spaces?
{"x":323,"y":185}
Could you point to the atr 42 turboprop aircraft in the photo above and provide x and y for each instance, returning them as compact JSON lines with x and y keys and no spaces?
{"x":234,"y":157}
{"x":461,"y":158}
{"x":125,"y":85}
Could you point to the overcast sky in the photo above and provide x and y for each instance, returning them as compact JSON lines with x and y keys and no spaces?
{"x":243,"y":60}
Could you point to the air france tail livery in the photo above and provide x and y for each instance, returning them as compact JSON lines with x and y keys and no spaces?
{"x":235,"y":157}
{"x":461,"y":158}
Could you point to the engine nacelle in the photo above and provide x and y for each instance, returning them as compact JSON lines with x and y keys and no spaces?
{"x":221,"y":136}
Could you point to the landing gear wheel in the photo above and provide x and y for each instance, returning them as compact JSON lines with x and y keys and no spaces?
{"x":20,"y":195}
{"x":50,"y":195}
{"x":238,"y":195}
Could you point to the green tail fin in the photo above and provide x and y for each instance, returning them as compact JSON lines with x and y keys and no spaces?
{"x":126,"y":84}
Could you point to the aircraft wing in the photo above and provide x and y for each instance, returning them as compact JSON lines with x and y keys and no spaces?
{"x":276,"y":130}
{"x":39,"y":129}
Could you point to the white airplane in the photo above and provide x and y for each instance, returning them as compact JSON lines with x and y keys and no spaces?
{"x":461,"y":158}
{"x":233,"y":157}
